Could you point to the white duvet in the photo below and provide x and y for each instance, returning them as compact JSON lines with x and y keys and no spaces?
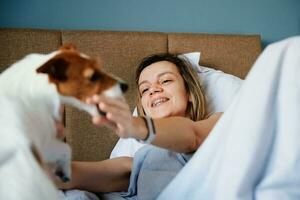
{"x":254,"y":150}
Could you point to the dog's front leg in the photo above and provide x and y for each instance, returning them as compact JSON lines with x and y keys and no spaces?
{"x":59,"y":156}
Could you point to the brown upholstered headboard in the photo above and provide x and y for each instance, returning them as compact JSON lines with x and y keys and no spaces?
{"x":120,"y":52}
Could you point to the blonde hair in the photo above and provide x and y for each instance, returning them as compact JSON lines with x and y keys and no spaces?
{"x":196,"y":107}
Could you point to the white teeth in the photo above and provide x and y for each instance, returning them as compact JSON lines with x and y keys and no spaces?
{"x":158,"y":102}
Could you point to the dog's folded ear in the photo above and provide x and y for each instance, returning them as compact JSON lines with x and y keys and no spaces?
{"x":56,"y":69}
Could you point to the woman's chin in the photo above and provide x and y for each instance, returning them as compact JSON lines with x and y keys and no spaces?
{"x":160,"y":115}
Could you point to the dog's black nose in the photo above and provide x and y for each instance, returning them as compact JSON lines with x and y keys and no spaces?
{"x":124,"y":87}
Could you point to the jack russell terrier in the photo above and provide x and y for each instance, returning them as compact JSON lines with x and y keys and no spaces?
{"x":32,"y":92}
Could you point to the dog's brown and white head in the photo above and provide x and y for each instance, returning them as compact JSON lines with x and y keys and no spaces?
{"x":77,"y":77}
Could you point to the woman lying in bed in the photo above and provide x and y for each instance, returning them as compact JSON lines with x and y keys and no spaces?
{"x":252,"y":153}
{"x":172,"y":118}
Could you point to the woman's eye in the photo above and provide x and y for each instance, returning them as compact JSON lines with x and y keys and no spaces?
{"x":144,"y":90}
{"x":166,"y":81}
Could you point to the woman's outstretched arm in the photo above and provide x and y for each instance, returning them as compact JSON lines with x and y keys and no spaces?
{"x":178,"y":134}
{"x":181,"y":134}
{"x":102,"y":176}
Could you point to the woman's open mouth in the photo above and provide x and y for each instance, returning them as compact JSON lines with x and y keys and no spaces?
{"x":159,"y":101}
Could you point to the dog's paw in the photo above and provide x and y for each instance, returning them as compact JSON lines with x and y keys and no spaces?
{"x":63,"y":170}
{"x":62,"y":176}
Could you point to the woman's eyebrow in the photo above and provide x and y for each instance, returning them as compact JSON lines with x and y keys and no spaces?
{"x":158,"y":76}
{"x":163,"y":73}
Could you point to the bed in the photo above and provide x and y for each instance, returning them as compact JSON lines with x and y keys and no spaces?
{"x":120,"y":52}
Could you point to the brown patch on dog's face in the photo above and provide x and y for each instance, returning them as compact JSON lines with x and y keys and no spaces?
{"x":76,"y":75}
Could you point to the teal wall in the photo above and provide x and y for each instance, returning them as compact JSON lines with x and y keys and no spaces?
{"x":272,"y":19}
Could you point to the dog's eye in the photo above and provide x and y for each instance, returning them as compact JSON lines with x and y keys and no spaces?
{"x":95,"y":77}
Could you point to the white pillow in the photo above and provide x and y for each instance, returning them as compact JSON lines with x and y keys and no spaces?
{"x":218,"y":87}
{"x":126,"y":147}
{"x":219,"y":90}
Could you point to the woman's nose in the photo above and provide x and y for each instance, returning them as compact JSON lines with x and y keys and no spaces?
{"x":155,"y":88}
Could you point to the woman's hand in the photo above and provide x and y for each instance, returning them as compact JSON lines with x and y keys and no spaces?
{"x":118,"y":115}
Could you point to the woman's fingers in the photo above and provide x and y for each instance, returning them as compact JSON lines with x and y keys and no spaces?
{"x":114,"y":116}
{"x":118,"y":117}
{"x":118,"y":102}
{"x":115,"y":111}
{"x":118,"y":114}
{"x":100,"y":121}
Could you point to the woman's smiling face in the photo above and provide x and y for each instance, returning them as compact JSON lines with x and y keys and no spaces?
{"x":162,"y":90}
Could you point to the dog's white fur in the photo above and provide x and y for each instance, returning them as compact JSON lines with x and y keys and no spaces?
{"x":29,"y":105}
